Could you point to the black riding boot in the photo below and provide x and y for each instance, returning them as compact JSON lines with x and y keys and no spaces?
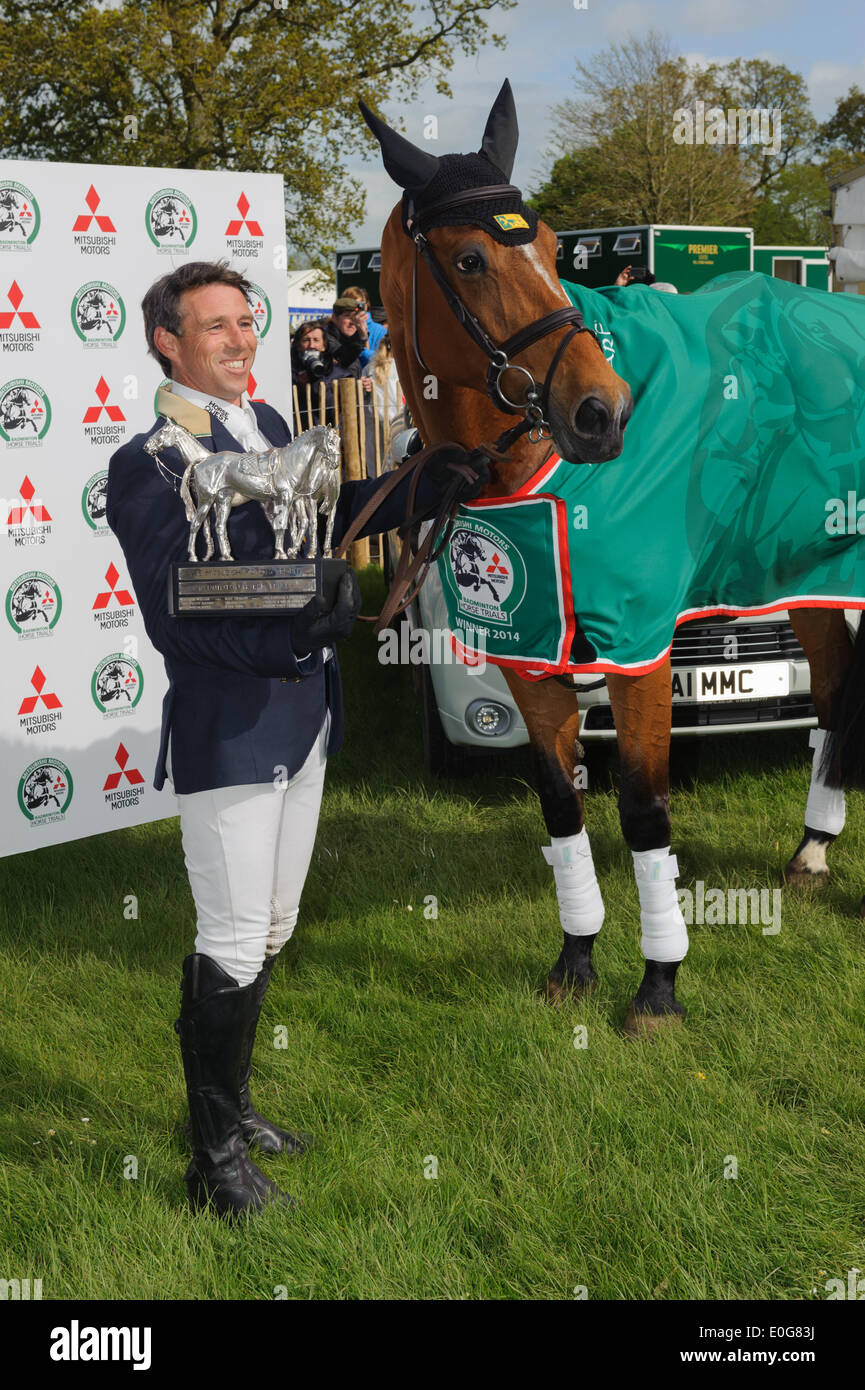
{"x":258,"y":1132}
{"x":213,"y":1025}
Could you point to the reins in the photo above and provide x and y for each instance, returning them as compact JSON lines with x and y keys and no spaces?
{"x":414,"y":565}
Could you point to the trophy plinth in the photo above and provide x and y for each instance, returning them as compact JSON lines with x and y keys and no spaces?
{"x":266,"y":589}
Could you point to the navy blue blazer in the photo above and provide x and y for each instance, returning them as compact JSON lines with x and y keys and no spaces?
{"x":238,"y":705}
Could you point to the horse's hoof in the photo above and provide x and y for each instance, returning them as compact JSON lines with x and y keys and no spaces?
{"x":559,"y":992}
{"x":646,"y":1026}
{"x":796,"y":877}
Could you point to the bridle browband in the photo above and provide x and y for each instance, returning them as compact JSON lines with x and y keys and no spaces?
{"x":537,"y":400}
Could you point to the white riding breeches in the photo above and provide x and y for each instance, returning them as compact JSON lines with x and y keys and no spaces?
{"x":247,"y":852}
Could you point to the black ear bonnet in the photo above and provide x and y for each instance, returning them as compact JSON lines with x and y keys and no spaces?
{"x":505,"y":218}
{"x":438,"y":188}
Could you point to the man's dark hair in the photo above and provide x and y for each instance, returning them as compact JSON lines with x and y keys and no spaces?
{"x":161,"y":304}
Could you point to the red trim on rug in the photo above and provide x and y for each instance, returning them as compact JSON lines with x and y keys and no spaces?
{"x":538,"y":477}
{"x":539,"y":671}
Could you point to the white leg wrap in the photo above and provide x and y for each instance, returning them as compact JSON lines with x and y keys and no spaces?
{"x":665,"y":936}
{"x":825,"y":808}
{"x":581,"y":907}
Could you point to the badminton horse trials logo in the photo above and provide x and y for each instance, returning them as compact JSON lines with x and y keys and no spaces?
{"x":93,"y":502}
{"x":33,"y":603}
{"x":19,"y":215}
{"x":116,"y":684}
{"x":171,"y":220}
{"x":98,"y":314}
{"x":25,"y":411}
{"x":44,"y":790}
{"x":260,"y":307}
{"x":486,"y":572}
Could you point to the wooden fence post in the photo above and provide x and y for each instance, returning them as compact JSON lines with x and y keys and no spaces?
{"x":351,"y":428}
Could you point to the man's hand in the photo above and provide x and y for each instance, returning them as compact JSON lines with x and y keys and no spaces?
{"x":440,"y":471}
{"x":317,"y":626}
{"x":366,"y":381}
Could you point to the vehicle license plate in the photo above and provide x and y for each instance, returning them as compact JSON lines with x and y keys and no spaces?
{"x":702,"y":684}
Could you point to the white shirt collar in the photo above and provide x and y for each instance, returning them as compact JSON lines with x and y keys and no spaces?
{"x":240,"y":420}
{"x":241,"y":415}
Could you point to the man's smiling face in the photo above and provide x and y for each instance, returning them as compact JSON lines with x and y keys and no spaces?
{"x":216,"y":346}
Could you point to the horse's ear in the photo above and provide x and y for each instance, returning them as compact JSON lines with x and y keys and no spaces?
{"x":502,"y":132}
{"x":407,"y":165}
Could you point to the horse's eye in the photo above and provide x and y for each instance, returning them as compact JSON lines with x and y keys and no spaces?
{"x":470,"y":263}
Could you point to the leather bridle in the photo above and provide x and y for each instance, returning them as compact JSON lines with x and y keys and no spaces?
{"x":536,"y":406}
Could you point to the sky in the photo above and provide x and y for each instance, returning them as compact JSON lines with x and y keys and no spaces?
{"x":546,"y":37}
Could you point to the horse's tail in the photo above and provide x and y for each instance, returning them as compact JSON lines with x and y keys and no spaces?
{"x":186,"y":494}
{"x":843,"y":762}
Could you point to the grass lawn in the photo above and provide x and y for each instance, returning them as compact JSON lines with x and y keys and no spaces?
{"x":417,"y":1043}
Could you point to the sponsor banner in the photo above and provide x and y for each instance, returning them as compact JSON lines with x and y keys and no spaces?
{"x":79,"y":247}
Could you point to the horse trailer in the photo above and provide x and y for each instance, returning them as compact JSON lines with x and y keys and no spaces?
{"x":800,"y":265}
{"x":359,"y":266}
{"x":682,"y":256}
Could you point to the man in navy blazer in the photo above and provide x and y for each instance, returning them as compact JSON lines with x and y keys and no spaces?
{"x":253,"y":708}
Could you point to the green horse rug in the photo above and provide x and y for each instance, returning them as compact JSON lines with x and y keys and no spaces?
{"x":740,"y":489}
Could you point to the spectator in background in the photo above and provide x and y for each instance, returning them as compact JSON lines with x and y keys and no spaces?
{"x":387,"y":391}
{"x":384,"y":408}
{"x":635,"y":275}
{"x":638,"y":275}
{"x":346,"y":340}
{"x":310,"y":359}
{"x":311,"y":363}
{"x":374,"y":331}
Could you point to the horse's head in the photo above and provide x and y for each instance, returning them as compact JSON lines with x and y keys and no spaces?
{"x":332,"y":451}
{"x":164,"y":438}
{"x":499,"y":260}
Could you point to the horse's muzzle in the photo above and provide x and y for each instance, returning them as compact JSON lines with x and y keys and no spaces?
{"x":595,"y":432}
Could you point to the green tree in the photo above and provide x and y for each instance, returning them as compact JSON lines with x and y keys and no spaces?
{"x":841,"y":139}
{"x":794,"y":212}
{"x":620,"y":161}
{"x":268,"y":85}
{"x":753,"y":84}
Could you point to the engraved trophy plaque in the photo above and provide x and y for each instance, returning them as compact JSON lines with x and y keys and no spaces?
{"x":294,"y":485}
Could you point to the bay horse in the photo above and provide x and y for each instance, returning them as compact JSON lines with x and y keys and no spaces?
{"x":469,"y":281}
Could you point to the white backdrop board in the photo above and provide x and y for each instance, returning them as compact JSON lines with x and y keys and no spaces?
{"x":81,"y":685}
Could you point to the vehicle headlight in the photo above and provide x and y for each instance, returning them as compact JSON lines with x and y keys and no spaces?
{"x":488,"y":717}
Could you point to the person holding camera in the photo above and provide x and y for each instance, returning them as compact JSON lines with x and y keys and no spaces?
{"x":347,"y":340}
{"x":375,"y":331}
{"x":310,"y":359}
{"x":312,"y":365}
{"x":635,"y":275}
{"x":640,"y":275}
{"x":252,"y":711}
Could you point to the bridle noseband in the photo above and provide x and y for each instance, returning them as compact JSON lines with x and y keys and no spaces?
{"x":536,"y":405}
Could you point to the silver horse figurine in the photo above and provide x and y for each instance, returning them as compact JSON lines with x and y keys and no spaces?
{"x":293,"y":484}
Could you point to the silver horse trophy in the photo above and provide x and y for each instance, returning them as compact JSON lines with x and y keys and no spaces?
{"x":293,"y":485}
